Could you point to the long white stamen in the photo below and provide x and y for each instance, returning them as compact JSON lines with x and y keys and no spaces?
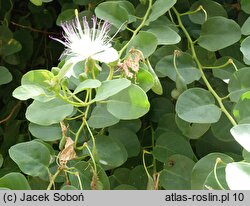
{"x":78,"y":25}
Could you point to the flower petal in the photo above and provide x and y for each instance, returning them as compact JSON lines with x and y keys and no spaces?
{"x":107,"y":56}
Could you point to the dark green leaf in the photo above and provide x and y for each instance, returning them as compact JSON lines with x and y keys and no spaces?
{"x":112,"y":12}
{"x":212,"y":8}
{"x":33,"y":158}
{"x":197,"y":105}
{"x":203,"y":168}
{"x":218,"y":33}
{"x":14,"y":181}
{"x":159,"y":8}
{"x":130,"y":103}
{"x":47,"y":113}
{"x":239,"y":83}
{"x":100,"y":117}
{"x":170,"y":143}
{"x":176,"y":174}
{"x":146,"y":42}
{"x":46,"y":133}
{"x":5,"y":75}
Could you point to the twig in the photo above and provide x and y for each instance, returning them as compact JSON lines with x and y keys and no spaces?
{"x":11,"y":113}
{"x":34,"y":30}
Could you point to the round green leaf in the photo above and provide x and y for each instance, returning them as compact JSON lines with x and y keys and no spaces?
{"x":205,"y":57}
{"x":197,"y":105}
{"x":238,"y":175}
{"x":244,"y":48}
{"x":208,"y":143}
{"x":119,"y":176}
{"x":110,"y":88}
{"x":159,"y":8}
{"x":14,"y":181}
{"x":112,"y":12}
{"x":176,"y":174}
{"x":129,"y":8}
{"x":145,"y":79}
{"x":33,"y":157}
{"x":245,"y":6}
{"x":146,"y":42}
{"x":138,"y":177}
{"x":100,"y":117}
{"x":37,"y":77}
{"x":221,"y":129}
{"x":86,"y":177}
{"x":110,"y":153}
{"x":5,"y":33}
{"x":128,"y":138}
{"x":157,"y":87}
{"x":64,"y":16}
{"x":218,"y":33}
{"x":46,"y":133}
{"x":28,"y":91}
{"x":9,"y":47}
{"x":212,"y":9}
{"x":226,"y":72}
{"x":165,"y":35}
{"x":239,"y":83}
{"x":241,"y":134}
{"x":130,"y":103}
{"x":164,"y":126}
{"x":192,"y":131}
{"x":185,"y":65}
{"x":211,"y":182}
{"x":241,"y":110}
{"x":5,"y":75}
{"x":133,"y":125}
{"x":203,"y":168}
{"x":47,"y":113}
{"x":87,"y":84}
{"x":245,"y":29}
{"x":170,"y":143}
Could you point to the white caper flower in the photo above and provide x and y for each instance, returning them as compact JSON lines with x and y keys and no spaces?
{"x":82,"y":42}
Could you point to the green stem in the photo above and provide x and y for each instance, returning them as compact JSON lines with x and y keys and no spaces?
{"x":79,"y":180}
{"x":111,"y":72}
{"x":91,"y":156}
{"x":74,"y":96}
{"x":144,"y":163}
{"x":219,"y":100}
{"x":218,"y":160}
{"x":73,"y":118}
{"x":79,"y":132}
{"x":92,"y":136}
{"x":75,"y":104}
{"x":229,"y":61}
{"x":153,"y":145}
{"x":232,"y":62}
{"x":138,"y":28}
{"x":192,"y":12}
{"x":53,"y":178}
{"x":176,"y":53}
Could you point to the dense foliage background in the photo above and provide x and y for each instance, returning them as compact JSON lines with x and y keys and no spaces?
{"x":192,"y":57}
